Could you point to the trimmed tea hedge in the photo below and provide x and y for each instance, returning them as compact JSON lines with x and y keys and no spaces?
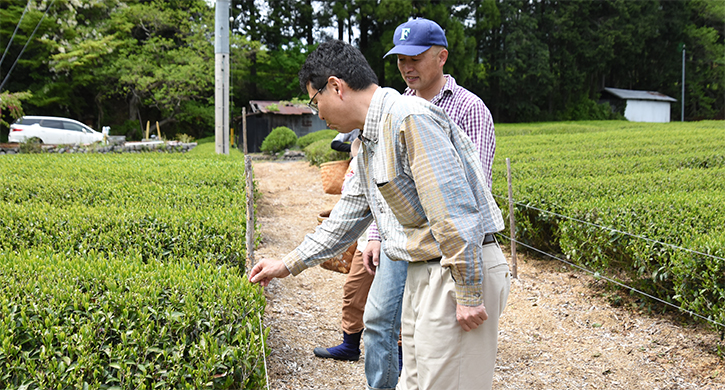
{"x":93,"y":321}
{"x":126,"y":271}
{"x":665,"y":182}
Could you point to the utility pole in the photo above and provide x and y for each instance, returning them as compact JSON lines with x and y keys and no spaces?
{"x":221,"y":77}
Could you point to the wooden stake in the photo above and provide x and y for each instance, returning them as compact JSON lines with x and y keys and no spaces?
{"x":250,"y":209}
{"x":512,"y":223}
{"x":158,"y":131}
{"x":244,"y":129}
{"x":148,"y":123}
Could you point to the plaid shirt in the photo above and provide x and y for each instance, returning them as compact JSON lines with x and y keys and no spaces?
{"x":471,"y":115}
{"x":421,"y":180}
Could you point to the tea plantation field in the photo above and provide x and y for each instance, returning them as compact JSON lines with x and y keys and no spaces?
{"x":126,"y":271}
{"x":658,"y":189}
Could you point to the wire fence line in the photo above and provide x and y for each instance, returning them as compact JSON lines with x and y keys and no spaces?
{"x":597,"y":274}
{"x":614,"y":230}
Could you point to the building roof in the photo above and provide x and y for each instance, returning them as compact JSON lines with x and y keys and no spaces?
{"x":629,"y":94}
{"x":278,"y":107}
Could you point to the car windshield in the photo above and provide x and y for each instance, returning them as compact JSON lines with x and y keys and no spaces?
{"x":72,"y":126}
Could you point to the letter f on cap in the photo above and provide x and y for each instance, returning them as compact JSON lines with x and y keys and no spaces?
{"x":404,"y":34}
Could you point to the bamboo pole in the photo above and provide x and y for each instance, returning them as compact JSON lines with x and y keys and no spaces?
{"x":158,"y":131}
{"x":148,"y":123}
{"x":244,"y":129}
{"x":512,"y":223}
{"x":250,"y":210}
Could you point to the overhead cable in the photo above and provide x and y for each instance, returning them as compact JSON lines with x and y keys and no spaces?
{"x":7,"y":76}
{"x":14,"y":32}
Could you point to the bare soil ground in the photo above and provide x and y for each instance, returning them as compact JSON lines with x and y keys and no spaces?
{"x":560,"y":329}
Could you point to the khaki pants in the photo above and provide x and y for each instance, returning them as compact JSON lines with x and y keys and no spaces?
{"x":355,"y":295}
{"x":437,"y":353}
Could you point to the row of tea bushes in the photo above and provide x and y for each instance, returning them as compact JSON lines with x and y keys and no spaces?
{"x":665,"y":182}
{"x":155,"y":205}
{"x":103,"y":321}
{"x":127,"y":271}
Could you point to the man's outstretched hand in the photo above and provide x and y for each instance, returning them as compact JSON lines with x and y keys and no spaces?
{"x":266,"y":270}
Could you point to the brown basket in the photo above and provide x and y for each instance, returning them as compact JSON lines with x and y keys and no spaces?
{"x":333,"y":174}
{"x":340,"y":263}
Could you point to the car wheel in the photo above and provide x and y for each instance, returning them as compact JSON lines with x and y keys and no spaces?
{"x":34,"y":140}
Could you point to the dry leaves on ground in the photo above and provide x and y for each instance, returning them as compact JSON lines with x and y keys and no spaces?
{"x":559,"y":330}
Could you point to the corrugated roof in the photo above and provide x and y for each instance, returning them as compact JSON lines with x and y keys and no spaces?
{"x":284,"y":108}
{"x":639,"y":95}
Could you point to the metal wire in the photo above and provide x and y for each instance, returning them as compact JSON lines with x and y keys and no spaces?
{"x":596,"y":274}
{"x":616,"y":231}
{"x":14,"y":32}
{"x":264,"y":349}
{"x":7,"y":76}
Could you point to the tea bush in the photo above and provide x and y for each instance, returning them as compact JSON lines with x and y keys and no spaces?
{"x":327,"y":134}
{"x":127,"y":271}
{"x":320,"y":152}
{"x":664,"y":182}
{"x":279,"y":139}
{"x":96,"y":321}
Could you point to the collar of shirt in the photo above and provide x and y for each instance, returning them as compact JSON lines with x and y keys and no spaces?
{"x":447,"y":90}
{"x":375,"y":114}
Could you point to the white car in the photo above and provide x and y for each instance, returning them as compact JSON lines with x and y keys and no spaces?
{"x":52,"y":130}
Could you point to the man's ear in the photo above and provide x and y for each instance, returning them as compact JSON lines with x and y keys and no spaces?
{"x":443,"y":57}
{"x":336,"y":85}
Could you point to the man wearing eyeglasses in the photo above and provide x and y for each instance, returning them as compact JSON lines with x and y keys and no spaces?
{"x":418,"y":171}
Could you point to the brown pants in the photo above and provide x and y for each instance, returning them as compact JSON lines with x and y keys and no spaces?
{"x":354,"y":295}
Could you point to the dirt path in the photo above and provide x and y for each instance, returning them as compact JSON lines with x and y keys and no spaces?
{"x":559,"y":330}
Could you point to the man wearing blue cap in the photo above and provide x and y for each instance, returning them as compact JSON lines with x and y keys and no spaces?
{"x":421,"y":48}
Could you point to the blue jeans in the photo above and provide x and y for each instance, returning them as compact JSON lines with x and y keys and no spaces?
{"x":382,"y":323}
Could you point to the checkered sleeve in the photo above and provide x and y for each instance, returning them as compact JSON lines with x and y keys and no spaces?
{"x":477,"y":122}
{"x":348,"y":220}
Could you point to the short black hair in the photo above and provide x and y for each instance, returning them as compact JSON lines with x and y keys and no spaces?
{"x":339,"y":59}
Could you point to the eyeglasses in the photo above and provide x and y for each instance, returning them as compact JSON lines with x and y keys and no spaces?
{"x":312,"y":104}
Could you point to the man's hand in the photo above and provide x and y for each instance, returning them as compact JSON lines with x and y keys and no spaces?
{"x":266,"y":270}
{"x":471,"y":317}
{"x":371,"y":256}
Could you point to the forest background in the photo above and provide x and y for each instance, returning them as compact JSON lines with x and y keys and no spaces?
{"x":123,"y":63}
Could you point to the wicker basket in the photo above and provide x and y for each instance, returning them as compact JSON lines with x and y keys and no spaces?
{"x":333,"y":174}
{"x":340,"y":263}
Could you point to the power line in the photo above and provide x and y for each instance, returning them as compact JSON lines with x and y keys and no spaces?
{"x":14,"y":32}
{"x":7,"y":76}
{"x":597,"y":275}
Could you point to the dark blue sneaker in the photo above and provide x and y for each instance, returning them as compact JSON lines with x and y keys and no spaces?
{"x":348,"y":350}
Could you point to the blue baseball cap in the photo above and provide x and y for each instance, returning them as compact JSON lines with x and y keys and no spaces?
{"x":416,"y":36}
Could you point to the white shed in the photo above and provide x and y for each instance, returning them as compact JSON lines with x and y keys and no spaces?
{"x":643,"y":106}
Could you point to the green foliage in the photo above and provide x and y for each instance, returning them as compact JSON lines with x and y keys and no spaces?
{"x":320,"y":152}
{"x":127,"y":270}
{"x":665,"y":182}
{"x":94,"y":321}
{"x":587,"y":110}
{"x":327,"y":134}
{"x":31,"y":145}
{"x":185,"y":138}
{"x":12,"y":105}
{"x":279,"y":139}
